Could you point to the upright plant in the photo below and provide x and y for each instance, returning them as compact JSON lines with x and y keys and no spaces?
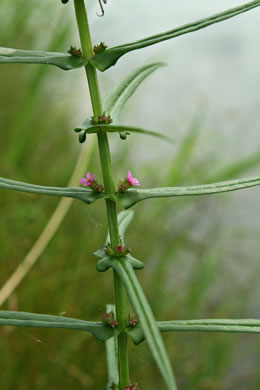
{"x":117,"y":323}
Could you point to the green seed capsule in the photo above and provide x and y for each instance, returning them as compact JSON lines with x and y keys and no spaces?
{"x":82,"y":137}
{"x":64,"y":1}
{"x":77,"y":130}
{"x":123,"y":135}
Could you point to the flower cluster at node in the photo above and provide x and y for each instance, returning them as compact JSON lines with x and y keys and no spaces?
{"x":130,"y":181}
{"x":100,"y":48}
{"x":108,"y":319}
{"x":75,"y":52}
{"x":132,"y":320}
{"x":90,"y":181}
{"x":119,"y":251}
{"x":132,"y":387}
{"x":101,"y":120}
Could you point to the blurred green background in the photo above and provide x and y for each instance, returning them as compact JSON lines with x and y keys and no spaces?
{"x":201,"y":254}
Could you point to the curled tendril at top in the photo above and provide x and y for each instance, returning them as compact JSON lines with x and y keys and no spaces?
{"x":100,"y":3}
{"x":101,"y":6}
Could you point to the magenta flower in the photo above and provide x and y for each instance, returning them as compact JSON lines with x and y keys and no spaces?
{"x":91,"y":183}
{"x":89,"y":180}
{"x":129,"y":181}
{"x":132,"y":180}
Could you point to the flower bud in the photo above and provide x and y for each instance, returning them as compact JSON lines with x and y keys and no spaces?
{"x":132,"y":320}
{"x":108,"y":319}
{"x":75,"y":52}
{"x":123,"y":135}
{"x":100,"y":48}
{"x":82,"y":137}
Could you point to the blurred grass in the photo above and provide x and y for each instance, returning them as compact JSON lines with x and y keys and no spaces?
{"x":184,"y":243}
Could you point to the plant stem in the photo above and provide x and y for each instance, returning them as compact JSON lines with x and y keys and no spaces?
{"x":106,"y":166}
{"x":122,"y":339}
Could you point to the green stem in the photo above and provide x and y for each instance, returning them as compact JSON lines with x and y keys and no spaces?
{"x":106,"y":166}
{"x":121,"y":316}
{"x":88,"y":52}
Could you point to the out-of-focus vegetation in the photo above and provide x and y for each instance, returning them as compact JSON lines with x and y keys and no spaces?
{"x":195,"y":265}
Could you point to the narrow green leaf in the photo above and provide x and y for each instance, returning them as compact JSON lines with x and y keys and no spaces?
{"x":120,"y":129}
{"x":86,"y":195}
{"x":112,"y":356}
{"x":127,"y":275}
{"x":116,"y":101}
{"x":220,"y":325}
{"x":110,"y":56}
{"x":16,"y":318}
{"x":214,"y":325}
{"x":132,"y":196}
{"x":64,"y":61}
{"x":124,"y":220}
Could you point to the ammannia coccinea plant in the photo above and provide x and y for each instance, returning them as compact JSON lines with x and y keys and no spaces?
{"x":117,"y":325}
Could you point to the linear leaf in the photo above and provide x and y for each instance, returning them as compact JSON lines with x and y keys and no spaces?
{"x":127,"y":275}
{"x":116,"y":101}
{"x":124,"y":219}
{"x":110,"y":56}
{"x":63,"y":61}
{"x":86,"y":195}
{"x":16,"y":318}
{"x":209,"y":325}
{"x":121,"y":129}
{"x":132,"y":196}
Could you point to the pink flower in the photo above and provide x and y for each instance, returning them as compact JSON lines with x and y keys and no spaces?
{"x":132,"y":180}
{"x":89,"y":179}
